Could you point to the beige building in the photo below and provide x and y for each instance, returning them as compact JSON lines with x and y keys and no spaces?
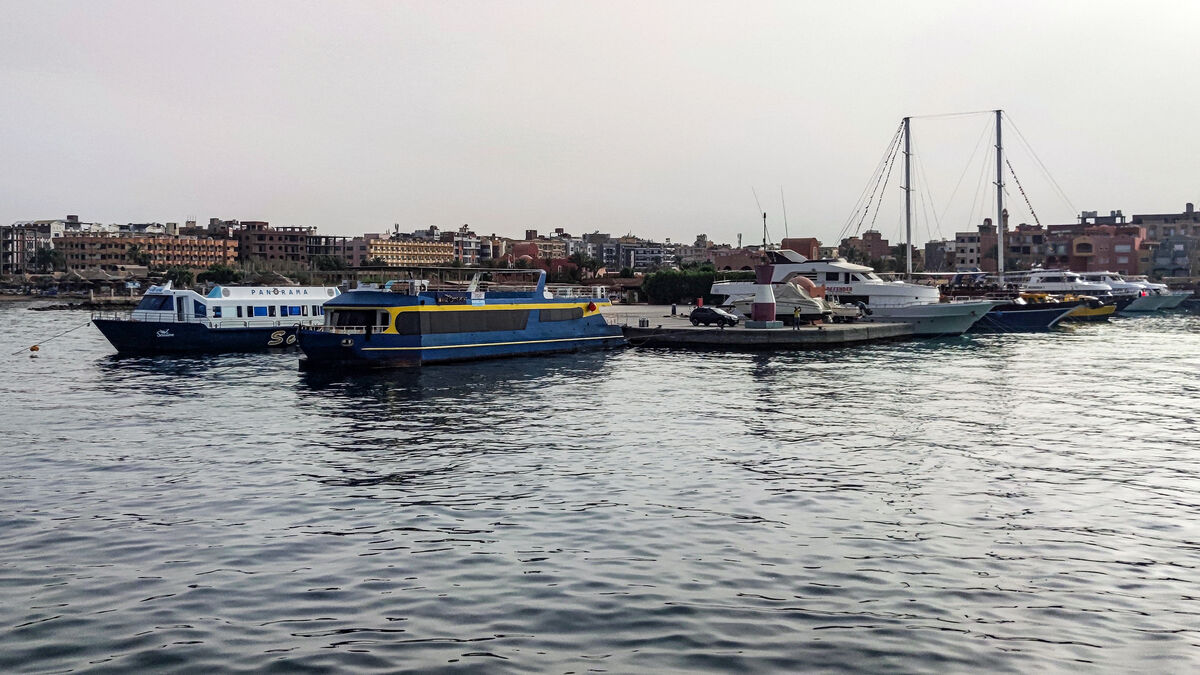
{"x":405,"y":252}
{"x":104,"y":249}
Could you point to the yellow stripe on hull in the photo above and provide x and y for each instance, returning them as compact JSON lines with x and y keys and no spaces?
{"x":491,"y":344}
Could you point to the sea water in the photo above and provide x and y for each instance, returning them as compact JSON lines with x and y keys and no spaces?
{"x":999,"y":502}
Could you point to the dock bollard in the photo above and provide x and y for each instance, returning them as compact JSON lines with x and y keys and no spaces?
{"x":672,"y":309}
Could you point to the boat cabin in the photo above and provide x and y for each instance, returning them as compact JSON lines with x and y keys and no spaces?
{"x":245,"y":306}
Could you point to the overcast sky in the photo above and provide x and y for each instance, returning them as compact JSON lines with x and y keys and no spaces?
{"x":656,"y":118}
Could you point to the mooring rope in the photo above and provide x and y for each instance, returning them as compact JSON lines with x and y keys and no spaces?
{"x":34,"y":347}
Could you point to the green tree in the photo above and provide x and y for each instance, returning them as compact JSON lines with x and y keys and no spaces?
{"x":46,"y":259}
{"x":670,"y":286}
{"x":326,"y":263}
{"x":181,"y":277}
{"x":625,"y":273}
{"x":377,"y":261}
{"x":220,"y":274}
{"x":137,"y":255}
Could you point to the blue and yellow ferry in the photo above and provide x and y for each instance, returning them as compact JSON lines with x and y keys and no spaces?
{"x":405,"y":323}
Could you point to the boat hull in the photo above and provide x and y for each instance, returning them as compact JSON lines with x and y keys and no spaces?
{"x":137,"y":338}
{"x":946,"y":318}
{"x":1014,"y":318}
{"x":1174,"y":300}
{"x":1145,"y":303}
{"x":324,"y":350}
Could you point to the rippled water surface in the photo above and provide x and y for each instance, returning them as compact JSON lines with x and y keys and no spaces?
{"x":999,"y":502}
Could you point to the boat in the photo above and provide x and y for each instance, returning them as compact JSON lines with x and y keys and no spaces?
{"x":1016,"y":314}
{"x":1134,"y":295}
{"x":228,"y":319}
{"x":799,"y":299}
{"x":1090,"y":309}
{"x":1020,"y":316}
{"x":405,"y":323}
{"x":1170,"y":299}
{"x":881,"y":301}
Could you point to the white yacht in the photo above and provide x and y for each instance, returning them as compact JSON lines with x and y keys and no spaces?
{"x":1144,"y":297}
{"x":1063,"y":281}
{"x":1172,"y":299}
{"x":884,"y":301}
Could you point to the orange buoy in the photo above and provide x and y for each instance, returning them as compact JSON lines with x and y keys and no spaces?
{"x":34,"y":348}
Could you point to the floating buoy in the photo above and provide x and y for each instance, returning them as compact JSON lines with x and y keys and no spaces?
{"x":34,"y":348}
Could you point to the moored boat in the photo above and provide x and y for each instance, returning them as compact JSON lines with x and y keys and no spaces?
{"x":883,"y":301}
{"x":405,"y":323}
{"x":227,"y":319}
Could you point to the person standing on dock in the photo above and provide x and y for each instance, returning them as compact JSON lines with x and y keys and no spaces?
{"x":796,"y":318}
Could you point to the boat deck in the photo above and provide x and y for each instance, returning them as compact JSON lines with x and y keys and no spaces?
{"x":653,"y":326}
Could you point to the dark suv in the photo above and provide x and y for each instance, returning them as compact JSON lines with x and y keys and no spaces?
{"x":711,"y":315}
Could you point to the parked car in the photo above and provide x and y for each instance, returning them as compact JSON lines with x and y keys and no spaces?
{"x":711,"y":315}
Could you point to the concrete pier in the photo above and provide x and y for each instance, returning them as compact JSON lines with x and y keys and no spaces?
{"x":665,"y":330}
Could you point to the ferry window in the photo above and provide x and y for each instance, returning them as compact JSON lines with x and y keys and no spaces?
{"x":270,"y":310}
{"x":260,"y":311}
{"x":351,"y":317}
{"x":561,"y":314}
{"x":199,"y":309}
{"x":283,"y":310}
{"x":294,"y":310}
{"x":217,"y":312}
{"x":239,"y":311}
{"x":304,"y":310}
{"x":473,"y":321}
{"x":156,"y":303}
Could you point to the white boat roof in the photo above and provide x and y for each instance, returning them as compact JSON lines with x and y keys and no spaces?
{"x":321,"y":293}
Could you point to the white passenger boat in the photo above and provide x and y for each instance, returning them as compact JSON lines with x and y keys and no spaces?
{"x":227,"y":319}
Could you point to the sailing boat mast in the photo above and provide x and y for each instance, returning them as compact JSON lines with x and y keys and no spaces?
{"x":999,"y":203}
{"x":908,"y":267}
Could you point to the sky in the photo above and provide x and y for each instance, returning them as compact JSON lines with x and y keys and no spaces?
{"x":661,"y":119}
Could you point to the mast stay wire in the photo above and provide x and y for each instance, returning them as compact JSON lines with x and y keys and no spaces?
{"x":1061,"y":193}
{"x":967,"y":167}
{"x":868,"y":191}
{"x":883,"y":192}
{"x":872,"y":187}
{"x":1016,"y":180}
{"x":976,"y":217}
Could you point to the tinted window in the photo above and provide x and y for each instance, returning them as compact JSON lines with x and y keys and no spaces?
{"x":352,"y":317}
{"x":217,"y":312}
{"x":260,"y":311}
{"x":239,"y":311}
{"x":198,"y":308}
{"x":561,"y":314}
{"x":270,"y":310}
{"x":472,"y":321}
{"x":157,"y":303}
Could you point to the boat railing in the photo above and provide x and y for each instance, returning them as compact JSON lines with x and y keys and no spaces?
{"x":210,"y":322}
{"x":346,"y":330}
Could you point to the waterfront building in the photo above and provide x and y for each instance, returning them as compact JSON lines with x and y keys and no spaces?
{"x":939,"y":255}
{"x":872,"y":245}
{"x":401,"y":251}
{"x":1173,"y":242}
{"x":107,"y":250}
{"x":257,"y":240}
{"x":809,"y":247}
{"x":976,"y":250}
{"x":1095,"y":244}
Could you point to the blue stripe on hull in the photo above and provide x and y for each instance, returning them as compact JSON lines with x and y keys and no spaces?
{"x":154,"y":337}
{"x":323,"y":350}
